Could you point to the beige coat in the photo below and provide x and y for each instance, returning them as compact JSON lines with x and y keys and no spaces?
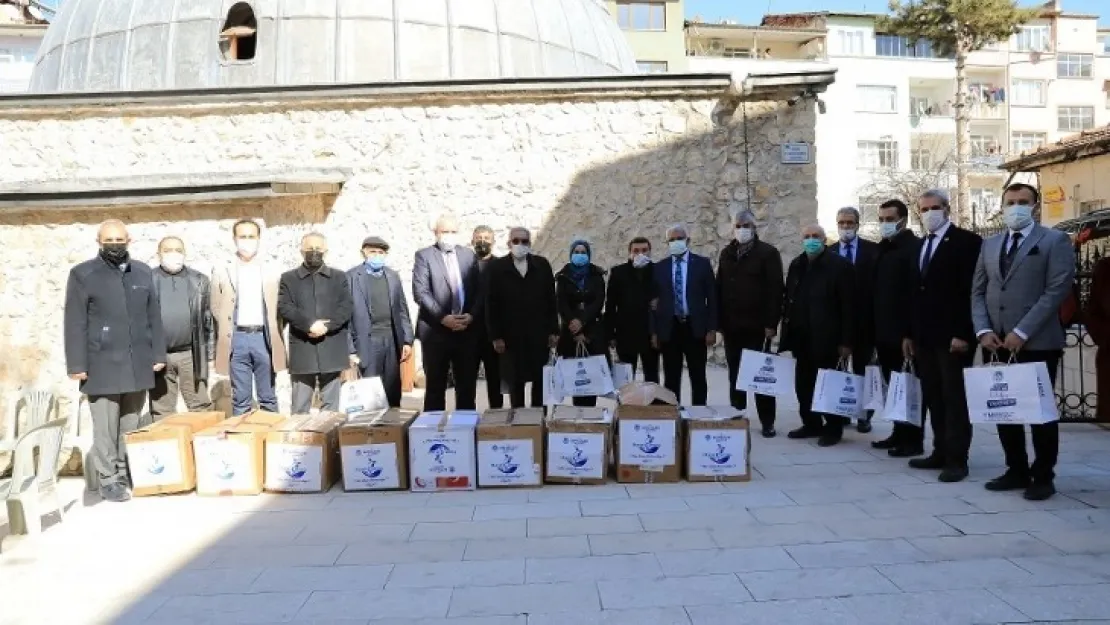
{"x":224,"y":280}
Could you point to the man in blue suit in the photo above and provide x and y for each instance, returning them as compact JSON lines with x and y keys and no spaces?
{"x":684,"y":317}
{"x":380,"y":331}
{"x":445,"y":285}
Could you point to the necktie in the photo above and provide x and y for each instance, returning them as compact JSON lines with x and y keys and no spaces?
{"x":1007,"y":259}
{"x":679,"y":288}
{"x":452,"y":262}
{"x":928,"y":253}
{"x":848,"y":253}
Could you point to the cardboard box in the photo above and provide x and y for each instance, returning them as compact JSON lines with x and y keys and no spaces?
{"x":579,"y":441}
{"x":718,"y":445}
{"x":230,"y":456}
{"x":441,"y":451}
{"x":648,"y":444}
{"x":160,"y":456}
{"x":373,"y":448}
{"x":510,"y":448}
{"x":302,"y":454}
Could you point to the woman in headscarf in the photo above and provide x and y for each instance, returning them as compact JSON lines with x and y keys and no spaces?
{"x":580,"y":295}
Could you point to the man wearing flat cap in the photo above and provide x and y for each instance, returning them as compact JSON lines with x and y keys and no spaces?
{"x":381,"y":333}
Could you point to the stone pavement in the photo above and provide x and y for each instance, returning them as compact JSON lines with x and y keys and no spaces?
{"x":840,"y":536}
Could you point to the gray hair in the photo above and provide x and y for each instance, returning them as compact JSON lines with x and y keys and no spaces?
{"x":938,"y":194}
{"x":314,"y":235}
{"x":444,"y":218}
{"x":743,"y":216}
{"x":520,"y":229}
{"x":815,"y":226}
{"x":849,"y":210}
{"x":677,"y":229}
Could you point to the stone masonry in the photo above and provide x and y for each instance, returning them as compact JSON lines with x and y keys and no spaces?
{"x":607,"y":167}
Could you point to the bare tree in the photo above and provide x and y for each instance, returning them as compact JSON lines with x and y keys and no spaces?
{"x":934,"y":167}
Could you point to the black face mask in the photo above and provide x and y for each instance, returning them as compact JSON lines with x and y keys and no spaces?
{"x":313,"y":260}
{"x":114,"y":253}
{"x":482,"y":249}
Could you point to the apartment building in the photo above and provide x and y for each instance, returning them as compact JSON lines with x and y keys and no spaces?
{"x":654,"y":29}
{"x":19,"y":42}
{"x":889,"y":125}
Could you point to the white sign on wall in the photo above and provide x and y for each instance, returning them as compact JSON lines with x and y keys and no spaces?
{"x":795,"y":153}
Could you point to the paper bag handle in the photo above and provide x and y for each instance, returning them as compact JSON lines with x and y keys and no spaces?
{"x":581,"y":351}
{"x":907,"y":366}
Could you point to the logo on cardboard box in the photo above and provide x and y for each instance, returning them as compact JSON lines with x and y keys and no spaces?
{"x":720,"y":455}
{"x":577,"y":459}
{"x":507,"y":466}
{"x":648,"y":445}
{"x":439,"y":451}
{"x":371,"y":469}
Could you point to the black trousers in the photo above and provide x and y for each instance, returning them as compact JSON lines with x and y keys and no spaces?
{"x":905,"y":435}
{"x":441,"y":355}
{"x":1046,"y":437}
{"x":491,"y":361}
{"x":735,"y":344}
{"x":517,"y":394}
{"x":648,"y":356}
{"x":805,"y":379}
{"x":384,"y":363}
{"x":942,"y":385}
{"x":684,"y":345}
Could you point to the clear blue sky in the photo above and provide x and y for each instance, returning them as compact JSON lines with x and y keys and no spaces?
{"x":751,"y":11}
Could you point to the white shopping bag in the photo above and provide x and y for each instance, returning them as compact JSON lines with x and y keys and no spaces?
{"x":838,"y":392}
{"x":874,"y":388}
{"x":585,"y":376}
{"x":362,"y":395}
{"x":1010,"y":394}
{"x":552,"y":385}
{"x":904,"y":402}
{"x":622,"y":374}
{"x":765,"y":374}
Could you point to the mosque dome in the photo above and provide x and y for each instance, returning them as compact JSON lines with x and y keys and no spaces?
{"x":125,"y":45}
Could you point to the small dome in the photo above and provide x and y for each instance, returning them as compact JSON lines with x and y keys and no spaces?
{"x":121,"y":45}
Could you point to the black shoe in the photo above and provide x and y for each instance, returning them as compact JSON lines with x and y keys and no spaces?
{"x":863,"y":426}
{"x":828,"y":440}
{"x":116,"y":493}
{"x":952,"y":474}
{"x":887,"y":443}
{"x":803,"y":432}
{"x":1040,"y":490}
{"x":769,"y":431}
{"x":905,"y":452}
{"x":932,"y":462}
{"x":1008,"y":481}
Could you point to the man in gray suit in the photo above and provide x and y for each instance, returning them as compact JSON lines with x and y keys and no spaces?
{"x":1022,"y":277}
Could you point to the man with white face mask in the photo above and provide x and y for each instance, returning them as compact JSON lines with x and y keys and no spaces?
{"x":1022,"y":278}
{"x":627,"y":306}
{"x":184,"y":296}
{"x":250,"y":344}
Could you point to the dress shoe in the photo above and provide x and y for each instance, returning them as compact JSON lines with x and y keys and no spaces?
{"x":863,"y":426}
{"x":887,"y":443}
{"x":1008,"y":481}
{"x":905,"y":452}
{"x":1040,"y":490}
{"x":929,"y":462}
{"x":953,"y":474}
{"x":115,"y":493}
{"x":804,"y":432}
{"x":769,"y":431}
{"x":828,"y":440}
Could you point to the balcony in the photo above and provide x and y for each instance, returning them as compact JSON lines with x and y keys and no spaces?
{"x":931,"y":110}
{"x":755,"y":49}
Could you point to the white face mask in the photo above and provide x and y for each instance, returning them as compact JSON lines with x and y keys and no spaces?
{"x":1019,"y":216}
{"x":743,"y":235}
{"x":677,"y":247}
{"x":449,"y":240}
{"x":847,"y":234}
{"x":172,"y":262}
{"x":520,"y":251}
{"x":640,"y":260}
{"x":934,"y":219}
{"x":888,"y":229}
{"x":247,"y":247}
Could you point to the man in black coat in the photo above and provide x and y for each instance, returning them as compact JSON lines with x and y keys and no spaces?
{"x":627,"y":306}
{"x":818,"y":328}
{"x":943,"y":333}
{"x":893,"y":311}
{"x":482,"y":242}
{"x":185,"y":296}
{"x":314,"y":300}
{"x":380,"y":330}
{"x":862,"y":254}
{"x":114,"y":345}
{"x":445,"y":285}
{"x":522,"y":317}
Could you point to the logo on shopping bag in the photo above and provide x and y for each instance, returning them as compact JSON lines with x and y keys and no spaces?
{"x":848,"y":394}
{"x":999,"y":384}
{"x":581,"y":376}
{"x":999,"y":393}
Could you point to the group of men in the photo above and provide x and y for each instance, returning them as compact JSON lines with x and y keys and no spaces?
{"x":906,"y":303}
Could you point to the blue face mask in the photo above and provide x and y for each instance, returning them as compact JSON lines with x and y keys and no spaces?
{"x":677,"y":248}
{"x":375,"y":263}
{"x":813,"y":246}
{"x":579,"y":259}
{"x":1019,"y":216}
{"x":888,"y":229}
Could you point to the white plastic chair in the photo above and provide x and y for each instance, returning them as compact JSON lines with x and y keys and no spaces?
{"x":37,"y":406}
{"x":79,"y":436}
{"x":24,"y":492}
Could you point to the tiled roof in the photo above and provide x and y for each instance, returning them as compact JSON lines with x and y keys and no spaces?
{"x":1087,"y":143}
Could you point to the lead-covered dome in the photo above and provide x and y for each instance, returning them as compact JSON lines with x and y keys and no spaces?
{"x":118,"y":45}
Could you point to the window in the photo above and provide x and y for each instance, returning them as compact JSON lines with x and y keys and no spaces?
{"x":921,"y":158}
{"x":985,"y":200}
{"x":869,"y":208}
{"x":1104,"y":45}
{"x":1075,"y":118}
{"x":1033,"y":39}
{"x":850,"y":42}
{"x":1025,"y":92}
{"x":738,"y":53}
{"x":876,"y":154}
{"x":1027,"y":141}
{"x":1071,"y":65}
{"x":983,"y":145}
{"x":640,"y":15}
{"x":651,"y":67}
{"x":876,"y":99}
{"x":894,"y":45}
{"x":238,"y":38}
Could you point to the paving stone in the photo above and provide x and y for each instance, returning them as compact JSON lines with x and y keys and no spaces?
{"x":551,"y":510}
{"x":1059,"y":602}
{"x":672,"y":591}
{"x":855,"y":553}
{"x":457,"y":574}
{"x":1066,"y":570}
{"x":210,"y":582}
{"x":507,"y":548}
{"x":756,"y":497}
{"x":650,"y":542}
{"x":289,"y":555}
{"x":815,"y":583}
{"x":695,"y":519}
{"x":905,"y":527}
{"x":470,"y":530}
{"x":1017,"y":544}
{"x":608,"y":507}
{"x":957,"y":575}
{"x":333,"y":534}
{"x":442,"y":514}
{"x":548,"y":570}
{"x":895,"y":508}
{"x":649,"y":616}
{"x":311,"y":578}
{"x":817,"y":513}
{"x":724,"y":561}
{"x":792,"y":612}
{"x":399,"y":553}
{"x":1003,"y":522}
{"x":414,"y":603}
{"x":772,"y":535}
{"x":558,"y":492}
{"x":950,"y":607}
{"x":620,"y":524}
{"x":232,"y":608}
{"x":525,"y":599}
{"x":1077,"y":541}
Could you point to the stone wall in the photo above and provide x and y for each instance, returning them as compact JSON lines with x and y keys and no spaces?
{"x":606,"y":169}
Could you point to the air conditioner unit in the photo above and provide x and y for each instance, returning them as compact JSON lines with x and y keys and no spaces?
{"x":716,"y":45}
